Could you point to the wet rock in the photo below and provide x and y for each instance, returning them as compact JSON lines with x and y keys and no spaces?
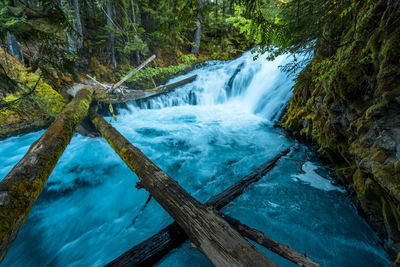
{"x":386,"y":142}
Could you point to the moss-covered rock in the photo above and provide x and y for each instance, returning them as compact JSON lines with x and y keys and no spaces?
{"x":349,"y":105}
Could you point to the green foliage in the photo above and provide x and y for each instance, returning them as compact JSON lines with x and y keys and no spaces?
{"x":134,"y":30}
{"x":41,"y":25}
{"x":244,"y":25}
{"x":322,"y":69}
{"x":298,"y":26}
{"x":189,"y":58}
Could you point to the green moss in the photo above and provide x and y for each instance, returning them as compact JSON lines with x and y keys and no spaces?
{"x":32,"y":111}
{"x":344,"y":102}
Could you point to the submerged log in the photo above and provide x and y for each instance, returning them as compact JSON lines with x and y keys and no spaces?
{"x":260,"y":238}
{"x":154,"y":248}
{"x":133,"y":95}
{"x":211,"y":234}
{"x":23,"y":184}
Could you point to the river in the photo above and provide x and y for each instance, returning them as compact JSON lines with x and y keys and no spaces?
{"x":206,"y":135}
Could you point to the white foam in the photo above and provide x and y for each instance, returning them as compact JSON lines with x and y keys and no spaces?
{"x":315,"y":180}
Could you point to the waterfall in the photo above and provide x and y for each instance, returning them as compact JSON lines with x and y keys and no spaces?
{"x":255,"y":85}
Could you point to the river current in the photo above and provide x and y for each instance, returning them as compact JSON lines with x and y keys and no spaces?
{"x":207,"y":135}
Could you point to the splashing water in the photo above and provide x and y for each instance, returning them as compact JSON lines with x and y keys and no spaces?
{"x":207,"y":135}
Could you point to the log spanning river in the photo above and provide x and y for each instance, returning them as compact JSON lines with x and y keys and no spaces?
{"x":207,"y":135}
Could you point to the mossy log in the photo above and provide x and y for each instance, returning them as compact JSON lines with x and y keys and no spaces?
{"x":141,"y":94}
{"x":154,"y":248}
{"x":23,"y":184}
{"x":211,"y":234}
{"x":260,"y":238}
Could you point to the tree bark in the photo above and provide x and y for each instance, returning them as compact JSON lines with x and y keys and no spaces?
{"x":213,"y":236}
{"x":23,"y":184}
{"x":137,"y":52}
{"x":78,"y":24}
{"x":223,"y":10}
{"x":260,"y":238}
{"x":111,"y":37}
{"x":150,"y":251}
{"x":197,"y":34}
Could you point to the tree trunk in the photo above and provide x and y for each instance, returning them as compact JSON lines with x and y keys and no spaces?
{"x":213,"y":236}
{"x":23,"y":184}
{"x":64,"y":5}
{"x":78,"y":25}
{"x":150,"y":251}
{"x":111,"y":37}
{"x":137,"y":52}
{"x":260,"y":238}
{"x":197,"y":34}
{"x":223,"y":9}
{"x":216,"y":18}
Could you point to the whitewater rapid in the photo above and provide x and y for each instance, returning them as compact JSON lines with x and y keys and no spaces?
{"x":207,"y":135}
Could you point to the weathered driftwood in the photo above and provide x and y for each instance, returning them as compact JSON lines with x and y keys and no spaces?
{"x":132,"y":95}
{"x":260,"y":238}
{"x":23,"y":184}
{"x":212,"y":235}
{"x":141,"y":66}
{"x":154,"y":248}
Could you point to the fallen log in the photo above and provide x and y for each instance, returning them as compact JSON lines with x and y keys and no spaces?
{"x":23,"y":184}
{"x":141,"y":66}
{"x":133,"y":95}
{"x":154,"y":248}
{"x":260,"y":238}
{"x":212,"y":235}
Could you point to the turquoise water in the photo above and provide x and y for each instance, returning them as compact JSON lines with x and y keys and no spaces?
{"x":206,"y":135}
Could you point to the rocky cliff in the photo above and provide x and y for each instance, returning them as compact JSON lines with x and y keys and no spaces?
{"x":348,"y":102}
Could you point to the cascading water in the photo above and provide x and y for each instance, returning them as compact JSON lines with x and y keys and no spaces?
{"x":256,"y":86}
{"x":206,"y":135}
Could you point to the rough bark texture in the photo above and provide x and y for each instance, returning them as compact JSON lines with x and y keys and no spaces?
{"x":197,"y":34}
{"x":154,"y":248}
{"x":78,"y":24}
{"x":111,"y":37}
{"x":260,"y":238}
{"x":213,"y":236}
{"x":23,"y":184}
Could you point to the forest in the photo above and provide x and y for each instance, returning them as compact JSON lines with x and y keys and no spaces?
{"x":131,"y":130}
